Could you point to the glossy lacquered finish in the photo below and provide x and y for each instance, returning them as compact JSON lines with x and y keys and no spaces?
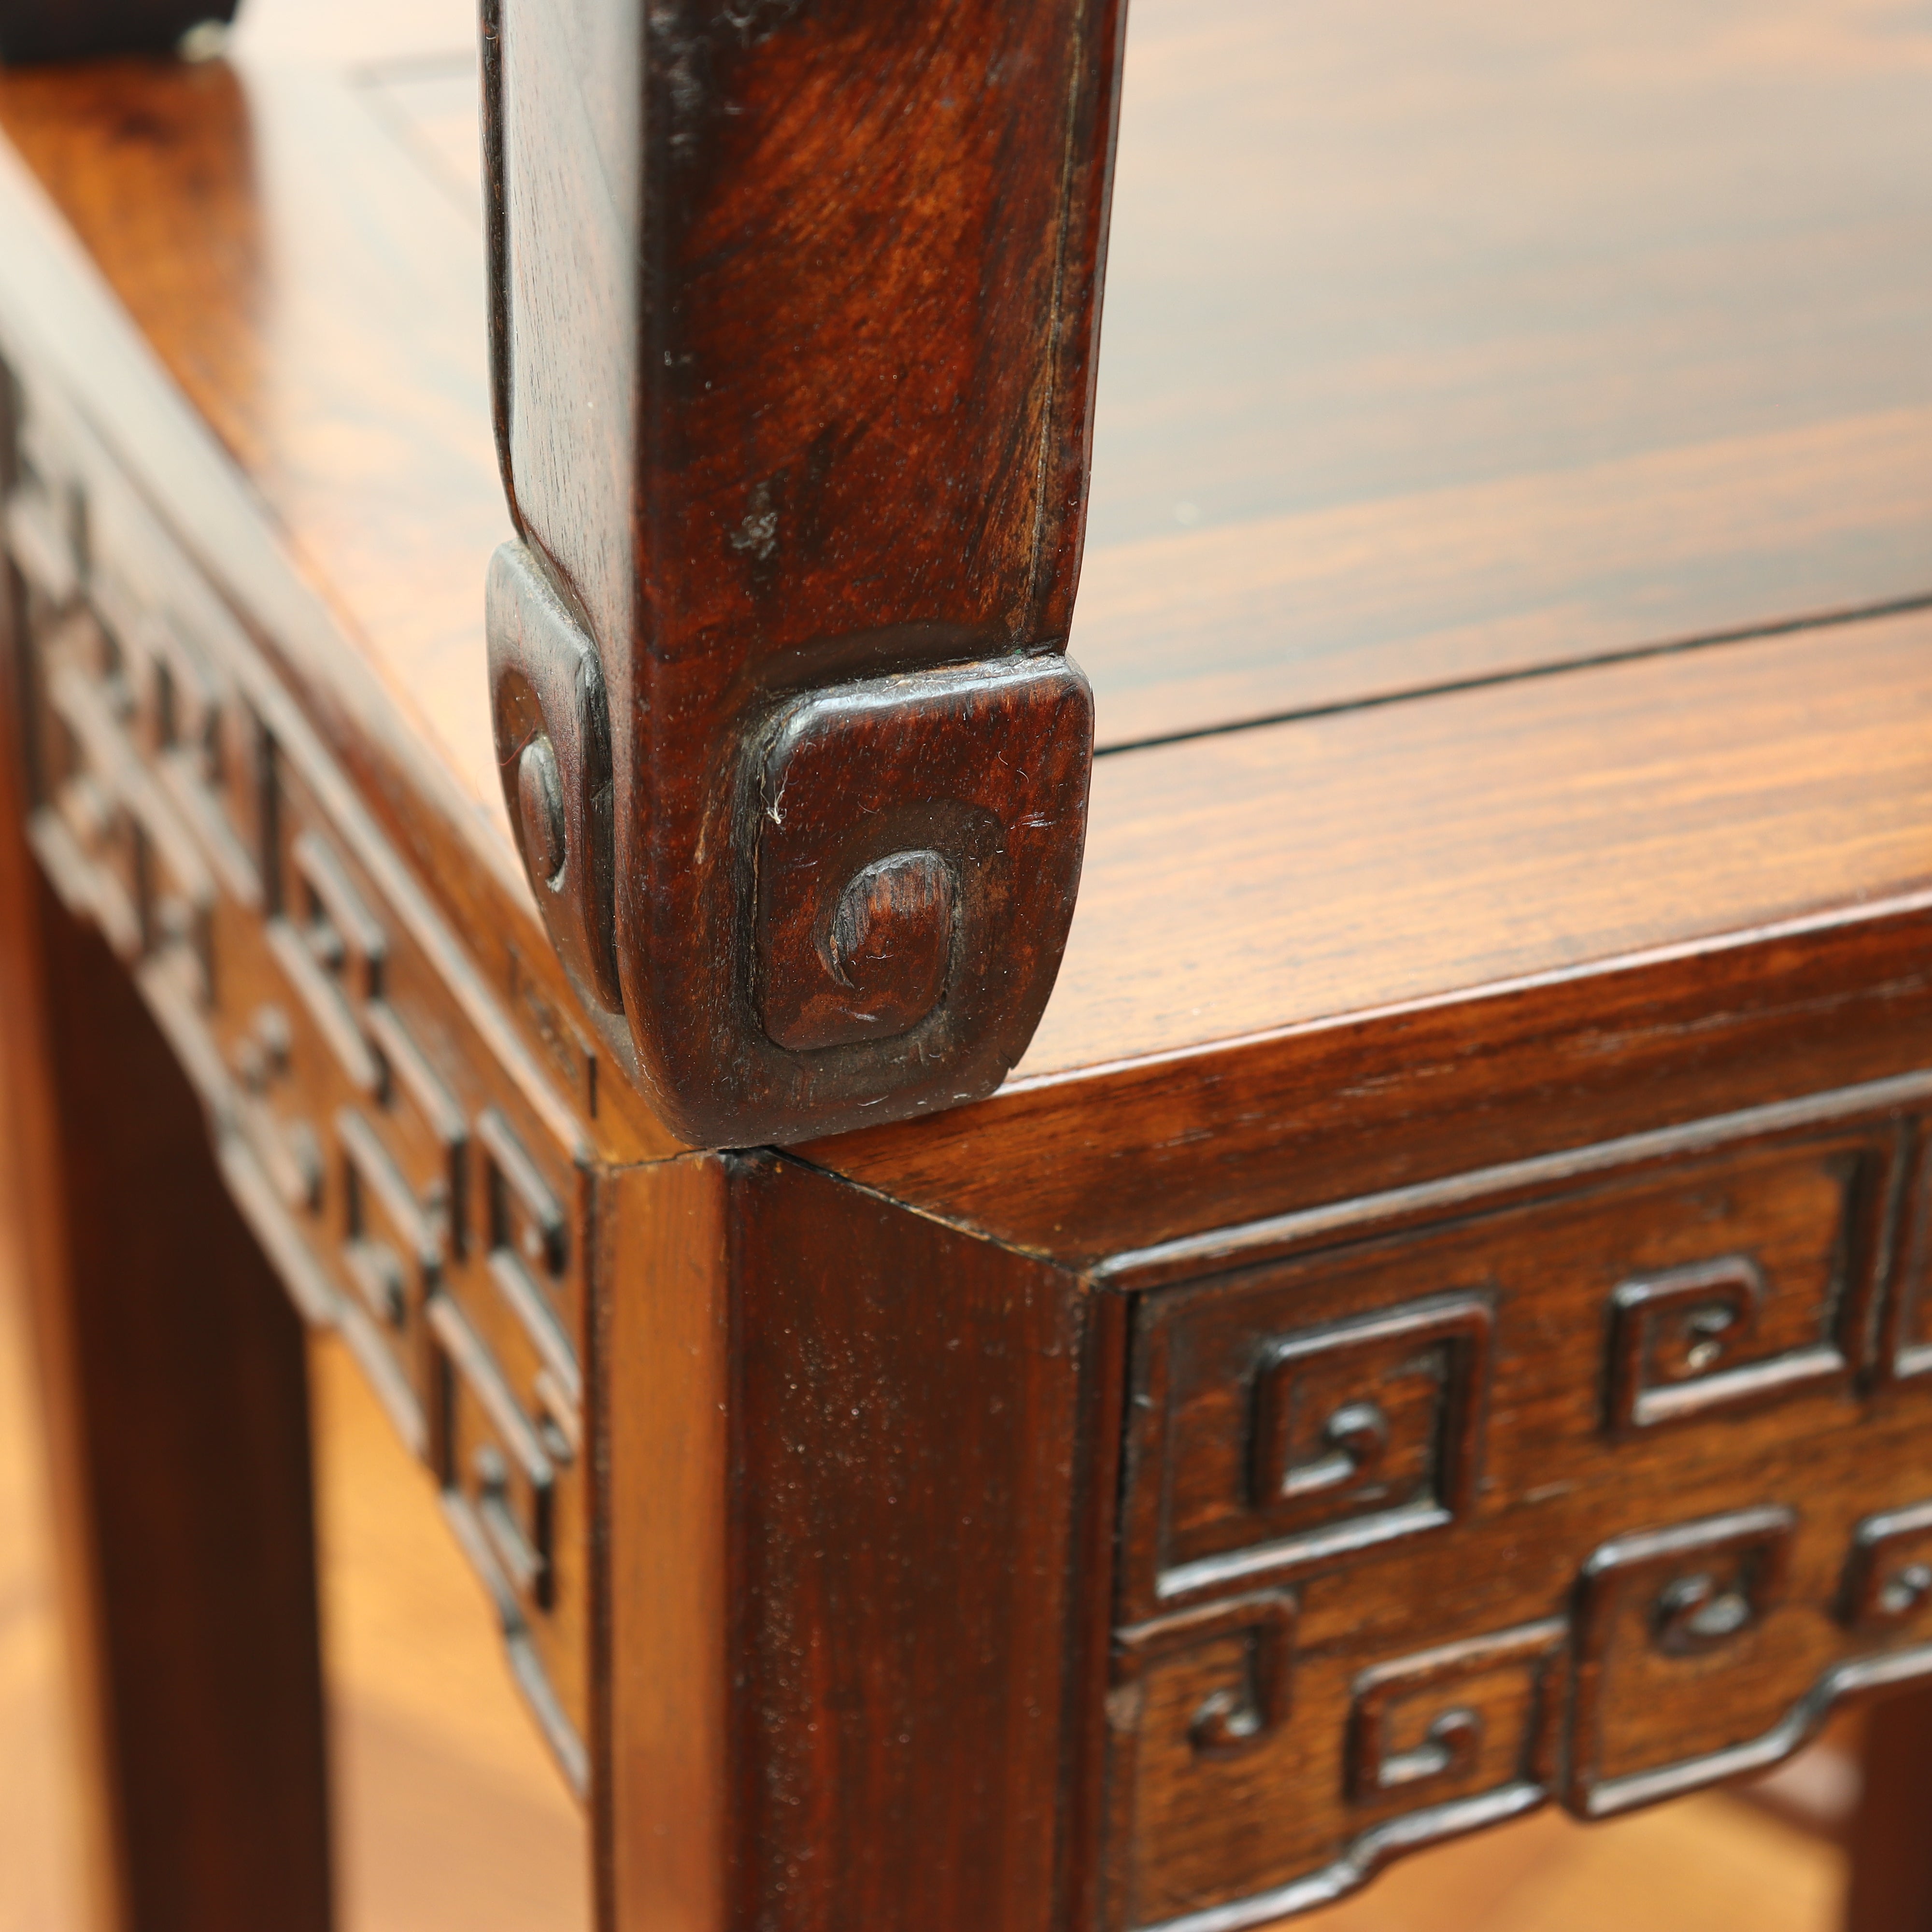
{"x":793,"y":412}
{"x":1434,"y":1324}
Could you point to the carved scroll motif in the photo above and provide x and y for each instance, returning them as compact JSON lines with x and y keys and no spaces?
{"x":1589,"y":1618}
{"x":1671,"y":1648}
{"x":1888,"y":1586}
{"x":1232,"y":1716}
{"x":1431,"y":1725}
{"x":797,"y":764}
{"x":1688,"y":1342}
{"x":1358,"y":1433}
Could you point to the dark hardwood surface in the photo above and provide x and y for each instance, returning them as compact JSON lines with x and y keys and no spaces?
{"x":1348,"y":442}
{"x":314,"y":584}
{"x":361,"y":425}
{"x":1390,"y":1511}
{"x":793,"y":412}
{"x":1890,"y":1889}
{"x":1517,"y":953}
{"x":1620,"y":961}
{"x":450,"y":1818}
{"x":786,"y":1775}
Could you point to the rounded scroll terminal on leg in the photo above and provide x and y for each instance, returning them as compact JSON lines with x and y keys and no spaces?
{"x":553,"y":736}
{"x":916,"y":844}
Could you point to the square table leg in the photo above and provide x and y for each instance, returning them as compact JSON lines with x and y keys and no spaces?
{"x":174,"y":1380}
{"x":1891,"y":1838}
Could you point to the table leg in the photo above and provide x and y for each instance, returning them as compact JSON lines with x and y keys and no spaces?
{"x":176,"y":1396}
{"x":1891,"y":1840}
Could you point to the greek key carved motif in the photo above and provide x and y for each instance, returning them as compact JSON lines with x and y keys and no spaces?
{"x":1235,"y":1715}
{"x":1648,"y":1603}
{"x":177,"y":807}
{"x":1888,"y":1585}
{"x":1478,"y":1714}
{"x":1350,"y":1435}
{"x":1608,"y":1612}
{"x":1670,"y":1641}
{"x":1690,"y":1341}
{"x":1417,"y":1750}
{"x":1396,"y":1453}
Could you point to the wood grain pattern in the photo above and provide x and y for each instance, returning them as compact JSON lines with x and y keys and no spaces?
{"x":911,"y":1710}
{"x":1441,"y":345}
{"x":1325,"y":608}
{"x":1435,"y":1005}
{"x":1732,"y":443}
{"x":792,"y":410}
{"x":456,"y":765}
{"x":1394,"y":855}
{"x":1471,"y":889}
{"x":668,"y":1736}
{"x":804,"y":1725}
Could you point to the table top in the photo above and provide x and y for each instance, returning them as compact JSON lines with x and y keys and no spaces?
{"x":1511,"y":518}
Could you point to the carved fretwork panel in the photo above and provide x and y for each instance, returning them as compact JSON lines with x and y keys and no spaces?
{"x":1595,"y":1497}
{"x":1888,"y":1573}
{"x":416,"y":1188}
{"x":1676,"y":1629}
{"x":1363,"y":1430}
{"x":1327,"y":1406}
{"x":1472,"y":1722}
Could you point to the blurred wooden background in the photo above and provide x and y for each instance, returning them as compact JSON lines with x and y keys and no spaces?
{"x":451,"y":1819}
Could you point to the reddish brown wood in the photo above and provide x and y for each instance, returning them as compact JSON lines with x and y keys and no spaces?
{"x":175,"y":1380}
{"x":1890,"y":1838}
{"x":1414,"y":374}
{"x":1500,"y":1582}
{"x":1543,"y":1000}
{"x":1628,"y":474}
{"x":809,"y":1727}
{"x":665,"y":1413}
{"x":793,"y":417}
{"x":161,"y":168}
{"x":1168,"y":954}
{"x":416,"y":1179}
{"x":910,"y":1711}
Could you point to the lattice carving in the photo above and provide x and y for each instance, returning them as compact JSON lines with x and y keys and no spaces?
{"x":413,"y":1190}
{"x":1603,"y":1611}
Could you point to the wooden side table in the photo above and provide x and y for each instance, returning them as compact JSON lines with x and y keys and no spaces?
{"x":1432,"y":1325}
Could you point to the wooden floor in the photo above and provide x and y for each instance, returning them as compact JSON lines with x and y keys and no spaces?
{"x":451,"y":1819}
